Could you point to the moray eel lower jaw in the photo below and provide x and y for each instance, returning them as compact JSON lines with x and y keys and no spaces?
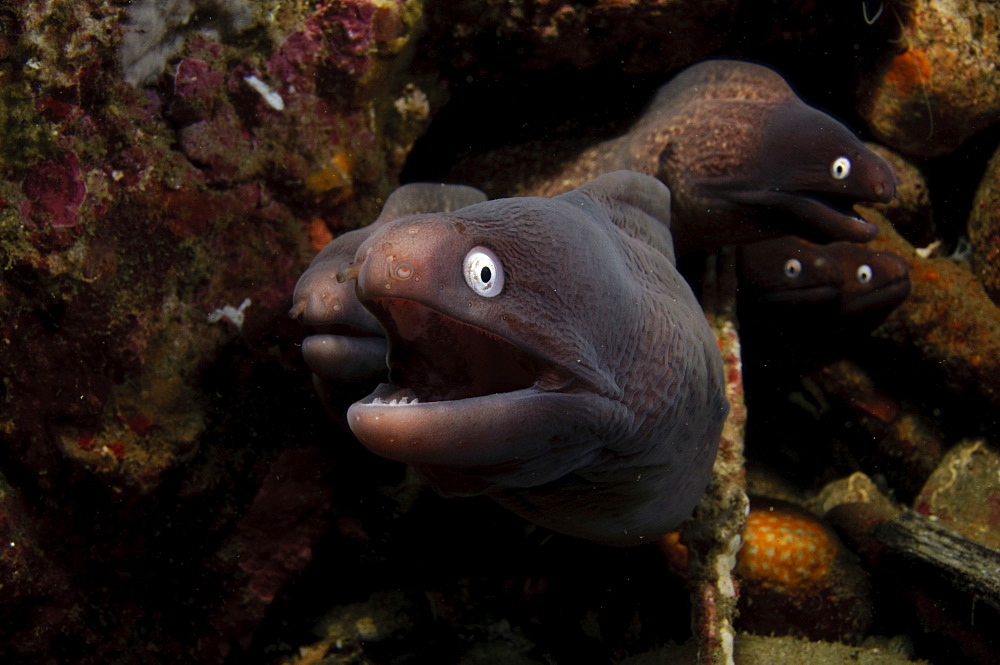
{"x":808,"y":215}
{"x":463,"y":397}
{"x":815,"y":294}
{"x":347,"y":344}
{"x":883,"y":298}
{"x":345,"y":356}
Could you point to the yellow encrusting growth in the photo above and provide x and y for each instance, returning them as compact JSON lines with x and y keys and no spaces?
{"x":784,"y":549}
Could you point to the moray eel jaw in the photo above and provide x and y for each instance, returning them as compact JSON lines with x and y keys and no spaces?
{"x":347,"y":344}
{"x":806,"y":172}
{"x":829,"y":217}
{"x":462,"y":397}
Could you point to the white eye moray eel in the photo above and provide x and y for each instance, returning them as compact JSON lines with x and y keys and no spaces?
{"x":788,"y":270}
{"x":349,"y":346}
{"x":743,"y":156}
{"x":871,"y":280}
{"x":846,"y":275}
{"x":547,"y":353}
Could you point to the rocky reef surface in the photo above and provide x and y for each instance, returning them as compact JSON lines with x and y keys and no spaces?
{"x":171,"y":489}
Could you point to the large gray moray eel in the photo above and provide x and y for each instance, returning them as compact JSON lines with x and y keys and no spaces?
{"x":546,"y":352}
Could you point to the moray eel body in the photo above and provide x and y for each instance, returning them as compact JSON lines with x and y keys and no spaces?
{"x":845,"y":277}
{"x":547,"y":353}
{"x":743,"y":156}
{"x":349,"y":346}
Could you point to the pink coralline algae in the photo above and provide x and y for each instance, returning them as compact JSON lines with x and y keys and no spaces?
{"x":274,"y":542}
{"x":134,"y":205}
{"x":196,"y":89}
{"x":54,"y":190}
{"x":338,"y":38}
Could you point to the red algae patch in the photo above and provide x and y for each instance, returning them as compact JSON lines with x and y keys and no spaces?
{"x":54,"y":189}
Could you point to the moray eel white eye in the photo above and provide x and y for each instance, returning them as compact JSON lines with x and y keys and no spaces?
{"x":483,"y":272}
{"x":840,"y":168}
{"x":864,"y":273}
{"x":793,"y":268}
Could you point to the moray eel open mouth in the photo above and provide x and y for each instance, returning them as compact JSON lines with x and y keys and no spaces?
{"x":441,"y":359}
{"x":831,"y":216}
{"x":453,"y":390}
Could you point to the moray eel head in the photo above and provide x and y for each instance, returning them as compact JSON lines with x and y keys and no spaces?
{"x":346,"y":343}
{"x":872,"y":281}
{"x":788,"y":270}
{"x":810,"y":170}
{"x":547,"y":353}
{"x":471,"y":382}
{"x":851,"y":277}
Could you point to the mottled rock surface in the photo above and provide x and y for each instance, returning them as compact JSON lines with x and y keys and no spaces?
{"x":984,"y":229}
{"x":166,"y":169}
{"x":963,"y":493}
{"x":910,"y":212}
{"x":941,"y":85}
{"x":639,"y":36}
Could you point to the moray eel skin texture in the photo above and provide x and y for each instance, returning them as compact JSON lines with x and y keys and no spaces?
{"x":744,"y":157}
{"x":544,"y":352}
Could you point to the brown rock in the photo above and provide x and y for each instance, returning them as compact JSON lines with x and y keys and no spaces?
{"x":910,"y":212}
{"x":963,"y":492}
{"x":984,"y":229}
{"x":947,"y":320}
{"x":640,"y":36}
{"x":942,"y":85}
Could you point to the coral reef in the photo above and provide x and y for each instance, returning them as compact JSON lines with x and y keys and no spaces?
{"x":156,"y":30}
{"x":171,"y":489}
{"x":157,"y":205}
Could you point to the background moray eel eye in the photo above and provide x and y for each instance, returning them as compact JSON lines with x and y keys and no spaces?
{"x":864,"y":273}
{"x":793,"y":268}
{"x":483,"y":272}
{"x":840,"y":168}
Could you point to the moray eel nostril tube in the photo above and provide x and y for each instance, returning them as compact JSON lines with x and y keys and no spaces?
{"x":547,"y":353}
